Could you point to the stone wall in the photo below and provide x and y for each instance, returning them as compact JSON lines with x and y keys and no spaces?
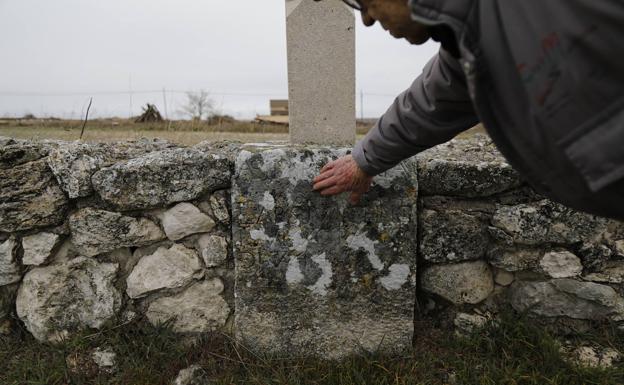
{"x":231,"y":238}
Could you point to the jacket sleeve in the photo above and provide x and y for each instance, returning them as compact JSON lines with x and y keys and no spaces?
{"x":433,"y":110}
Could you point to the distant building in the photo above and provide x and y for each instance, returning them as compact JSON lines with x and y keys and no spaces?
{"x":279,"y":107}
{"x":279,"y":113}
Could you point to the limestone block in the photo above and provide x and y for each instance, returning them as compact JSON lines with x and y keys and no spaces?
{"x":199,"y":309}
{"x":315,"y":275}
{"x":452,"y":236}
{"x":74,"y":163}
{"x":166,"y":268}
{"x":98,"y":231}
{"x":10,"y":271}
{"x":548,"y":222}
{"x":213,"y":249}
{"x":461,"y":283}
{"x":515,"y":259}
{"x":30,"y":197}
{"x":568,"y":298}
{"x":105,"y":359}
{"x":467,"y":323}
{"x":465,"y":167}
{"x":594,"y":255}
{"x":38,"y":248}
{"x":619,"y":248}
{"x":161,"y":178}
{"x":321,"y":72}
{"x":590,"y":357}
{"x":561,"y":264}
{"x":58,"y":300}
{"x":219,"y":207}
{"x":183,"y":220}
{"x":612,"y":272}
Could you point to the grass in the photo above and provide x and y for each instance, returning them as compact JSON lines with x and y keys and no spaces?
{"x":515,"y":352}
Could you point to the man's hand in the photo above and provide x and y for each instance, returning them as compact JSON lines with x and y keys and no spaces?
{"x":342,"y":175}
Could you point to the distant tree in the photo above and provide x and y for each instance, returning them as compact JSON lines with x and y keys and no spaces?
{"x":198,"y":105}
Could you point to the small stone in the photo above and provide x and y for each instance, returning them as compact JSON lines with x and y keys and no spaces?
{"x":166,"y":268}
{"x":219,"y":207}
{"x":468,"y":323}
{"x":193,"y":375}
{"x":594,"y":256}
{"x":185,"y":219}
{"x":568,"y":298}
{"x":198,"y":309}
{"x":213,"y":249}
{"x":468,"y":282}
{"x":38,"y":248}
{"x":590,"y":357}
{"x":58,"y":300}
{"x":561,"y":264}
{"x":9,"y":268}
{"x":619,"y":248}
{"x":611,"y":272}
{"x":503,"y":278}
{"x":105,"y":359}
{"x":514,"y":260}
{"x":98,"y":231}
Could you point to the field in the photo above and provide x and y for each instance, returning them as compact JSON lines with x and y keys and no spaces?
{"x":181,"y":132}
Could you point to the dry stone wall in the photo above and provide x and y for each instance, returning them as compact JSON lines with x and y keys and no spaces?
{"x":231,"y":238}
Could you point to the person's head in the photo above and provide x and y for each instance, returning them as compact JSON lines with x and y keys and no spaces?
{"x":394,"y":16}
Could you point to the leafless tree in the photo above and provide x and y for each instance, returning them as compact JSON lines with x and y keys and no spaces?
{"x":198,"y":105}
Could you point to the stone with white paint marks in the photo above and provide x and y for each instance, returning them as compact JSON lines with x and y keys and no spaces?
{"x":185,"y":219}
{"x":166,"y":268}
{"x":313,"y":273}
{"x":38,"y":248}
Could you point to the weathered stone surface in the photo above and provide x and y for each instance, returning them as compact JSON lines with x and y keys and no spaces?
{"x":183,"y":220}
{"x":200,"y":308}
{"x":7,"y":301}
{"x":105,"y":359}
{"x":612,"y":272}
{"x":503,"y":278}
{"x":568,"y":298}
{"x":38,"y":248}
{"x":166,"y":268}
{"x":161,"y":178}
{"x":594,"y":255}
{"x":467,"y":282}
{"x":74,"y":163}
{"x":315,"y":275}
{"x":619,"y":248}
{"x":452,"y":236}
{"x":98,"y":231}
{"x":591,"y":357}
{"x":14,"y":152}
{"x":548,"y":222}
{"x":30,"y":197}
{"x":193,"y":375}
{"x":467,"y":323}
{"x":465,"y":167}
{"x":515,"y":259}
{"x":9,"y":268}
{"x":217,"y":207}
{"x":57,"y":300}
{"x":562,"y":264}
{"x":213,"y":249}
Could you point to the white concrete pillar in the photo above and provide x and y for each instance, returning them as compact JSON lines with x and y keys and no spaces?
{"x":321,"y":71}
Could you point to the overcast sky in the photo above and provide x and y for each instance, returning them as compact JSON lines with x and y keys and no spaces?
{"x":54,"y":54}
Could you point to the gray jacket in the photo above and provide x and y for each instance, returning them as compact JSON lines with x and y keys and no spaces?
{"x":546,"y":78}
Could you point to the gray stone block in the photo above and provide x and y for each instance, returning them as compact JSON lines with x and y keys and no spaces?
{"x":315,"y":275}
{"x":321,"y":71}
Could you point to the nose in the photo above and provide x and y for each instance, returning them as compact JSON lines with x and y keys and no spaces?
{"x":367,"y":19}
